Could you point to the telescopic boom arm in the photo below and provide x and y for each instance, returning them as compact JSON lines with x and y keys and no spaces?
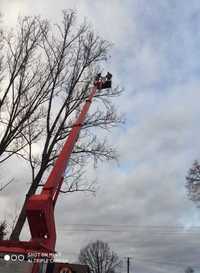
{"x":40,"y":207}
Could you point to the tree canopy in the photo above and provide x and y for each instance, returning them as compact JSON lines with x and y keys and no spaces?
{"x":193,"y":182}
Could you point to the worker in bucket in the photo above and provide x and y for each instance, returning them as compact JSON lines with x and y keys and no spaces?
{"x":103,"y":82}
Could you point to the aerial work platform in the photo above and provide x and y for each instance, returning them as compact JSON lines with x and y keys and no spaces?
{"x":40,"y":208}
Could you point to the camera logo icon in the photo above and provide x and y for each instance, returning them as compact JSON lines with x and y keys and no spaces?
{"x":7,"y":258}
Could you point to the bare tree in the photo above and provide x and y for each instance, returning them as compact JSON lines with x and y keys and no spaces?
{"x":193,"y":182}
{"x":69,"y":61}
{"x":3,"y":231}
{"x":189,"y":269}
{"x":99,"y":257}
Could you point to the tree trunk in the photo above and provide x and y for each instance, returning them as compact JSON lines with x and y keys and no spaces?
{"x":22,"y":216}
{"x":20,"y":222}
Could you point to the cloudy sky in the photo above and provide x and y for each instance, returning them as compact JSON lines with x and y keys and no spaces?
{"x":141,"y":206}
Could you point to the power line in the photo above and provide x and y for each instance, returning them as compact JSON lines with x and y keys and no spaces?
{"x":156,"y":232}
{"x":137,"y":226}
{"x":146,"y":260}
{"x":170,"y":263}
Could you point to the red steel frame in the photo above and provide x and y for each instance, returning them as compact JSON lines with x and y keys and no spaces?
{"x":40,"y":207}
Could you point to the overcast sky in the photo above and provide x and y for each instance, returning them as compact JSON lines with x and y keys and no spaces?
{"x":143,"y":201}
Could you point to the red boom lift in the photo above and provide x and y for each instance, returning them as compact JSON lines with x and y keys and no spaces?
{"x":40,"y":207}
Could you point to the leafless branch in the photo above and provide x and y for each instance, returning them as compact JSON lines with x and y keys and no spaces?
{"x":2,"y":187}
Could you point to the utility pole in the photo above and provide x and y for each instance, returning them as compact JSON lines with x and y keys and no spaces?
{"x":128,"y":264}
